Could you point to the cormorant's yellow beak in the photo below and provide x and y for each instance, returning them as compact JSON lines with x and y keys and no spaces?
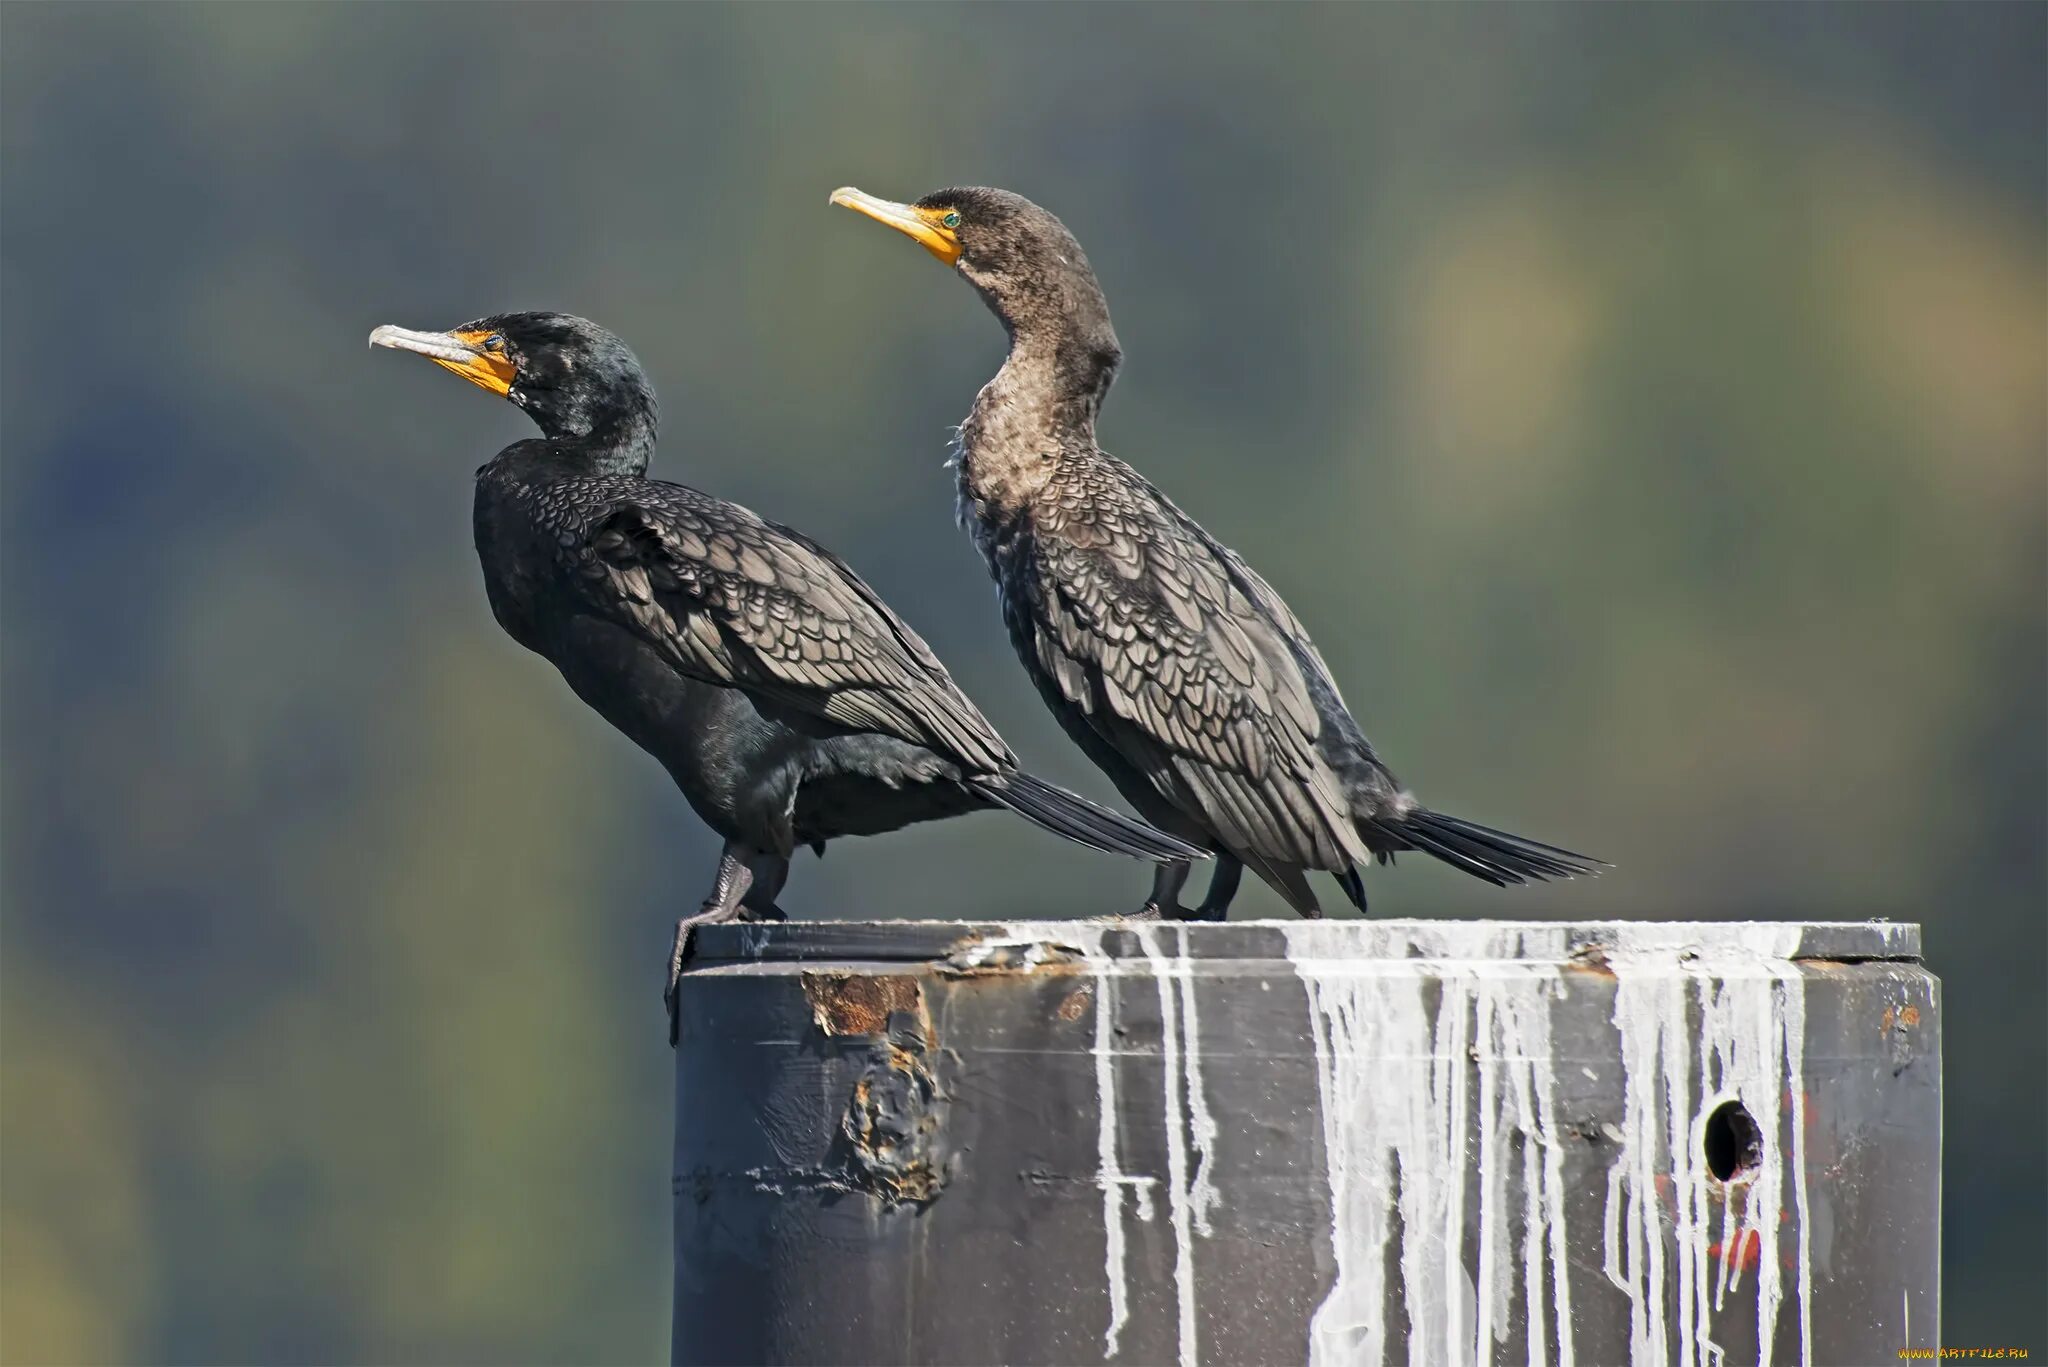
{"x":925,"y":225}
{"x":468,"y":354}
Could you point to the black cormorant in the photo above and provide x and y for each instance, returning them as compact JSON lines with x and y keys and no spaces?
{"x":1168,"y":660}
{"x":787,"y":701}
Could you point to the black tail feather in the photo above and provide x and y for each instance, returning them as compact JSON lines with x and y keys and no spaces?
{"x":1081,"y":821}
{"x":1481,"y":851}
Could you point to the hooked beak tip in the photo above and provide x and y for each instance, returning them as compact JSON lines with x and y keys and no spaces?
{"x":440,"y":346}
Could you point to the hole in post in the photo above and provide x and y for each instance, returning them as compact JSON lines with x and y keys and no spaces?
{"x":1734,"y":1144}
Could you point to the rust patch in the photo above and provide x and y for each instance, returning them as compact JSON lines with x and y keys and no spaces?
{"x":895,"y":1128}
{"x":861,"y":1003}
{"x":1898,"y":1030}
{"x":1075,"y":1004}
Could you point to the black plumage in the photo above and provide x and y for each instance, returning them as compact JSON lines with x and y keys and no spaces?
{"x":1169,"y":660}
{"x":787,"y":701}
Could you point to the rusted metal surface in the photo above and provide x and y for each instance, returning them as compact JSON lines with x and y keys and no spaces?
{"x":1351,"y":1142}
{"x":861,"y":1003}
{"x":895,"y":1125}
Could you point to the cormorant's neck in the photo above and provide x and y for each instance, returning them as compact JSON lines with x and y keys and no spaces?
{"x":1045,"y":398}
{"x":615,"y":437}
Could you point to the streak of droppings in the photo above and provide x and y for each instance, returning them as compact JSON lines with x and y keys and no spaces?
{"x":1397,"y":1116}
{"x":1202,"y":1193}
{"x":1403,"y":1104}
{"x":1747,"y":1046}
{"x":1189,"y":1125}
{"x":1179,"y":1070}
{"x":1108,"y":1166}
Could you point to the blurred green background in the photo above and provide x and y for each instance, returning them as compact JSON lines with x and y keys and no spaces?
{"x":1644,"y":407}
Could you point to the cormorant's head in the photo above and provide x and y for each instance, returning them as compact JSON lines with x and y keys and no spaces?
{"x":573,"y":378}
{"x":1023,"y":260}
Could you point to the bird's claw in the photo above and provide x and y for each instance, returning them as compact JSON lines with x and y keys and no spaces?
{"x":684,"y":944}
{"x":1153,"y":911}
{"x":679,"y":955}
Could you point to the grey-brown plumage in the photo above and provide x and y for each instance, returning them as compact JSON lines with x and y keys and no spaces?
{"x":1175,"y":667}
{"x":790,"y":705}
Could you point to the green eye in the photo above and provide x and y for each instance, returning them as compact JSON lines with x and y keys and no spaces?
{"x":952,"y":219}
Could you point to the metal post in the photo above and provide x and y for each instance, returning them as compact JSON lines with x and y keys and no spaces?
{"x":1342,"y":1142}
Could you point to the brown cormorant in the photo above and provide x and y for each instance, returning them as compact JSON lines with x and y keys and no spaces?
{"x":1168,"y":660}
{"x":785,"y":699}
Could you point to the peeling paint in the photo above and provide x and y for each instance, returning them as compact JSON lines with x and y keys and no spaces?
{"x":892,"y":1141}
{"x":1016,"y":950}
{"x":861,"y":1003}
{"x":895,"y":1126}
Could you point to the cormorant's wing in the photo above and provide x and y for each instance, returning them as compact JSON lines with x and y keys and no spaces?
{"x":1141,"y":624}
{"x":739,"y":601}
{"x":1341,"y":733}
{"x":1268,"y":599}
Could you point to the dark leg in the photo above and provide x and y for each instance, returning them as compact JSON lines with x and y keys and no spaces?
{"x":1167,"y":881}
{"x":1222,"y":887}
{"x":1354,"y":887}
{"x":730,"y":884}
{"x":770,"y":872}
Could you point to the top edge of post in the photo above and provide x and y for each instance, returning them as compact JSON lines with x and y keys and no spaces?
{"x":973,"y":943}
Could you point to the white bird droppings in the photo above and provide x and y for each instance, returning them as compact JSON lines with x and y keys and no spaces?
{"x":1434,"y":1057}
{"x":1109,"y":1167}
{"x":1719,"y":1021}
{"x":1399,"y":1120}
